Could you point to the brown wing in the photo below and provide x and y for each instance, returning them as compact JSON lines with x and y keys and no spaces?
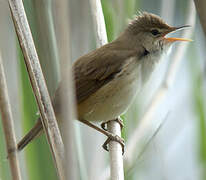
{"x":94,"y":70}
{"x":97,"y":68}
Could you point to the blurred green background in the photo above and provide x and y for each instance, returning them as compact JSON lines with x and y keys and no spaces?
{"x":177,"y":152}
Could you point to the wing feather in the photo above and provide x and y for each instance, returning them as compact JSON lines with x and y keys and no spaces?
{"x":96,"y":69}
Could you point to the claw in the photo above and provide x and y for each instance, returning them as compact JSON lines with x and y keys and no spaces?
{"x":103,"y":125}
{"x":111,"y":137}
{"x":116,"y":139}
{"x":119,"y":120}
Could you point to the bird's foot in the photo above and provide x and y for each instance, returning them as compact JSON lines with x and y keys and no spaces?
{"x":111,"y":137}
{"x":119,"y":120}
{"x":116,"y":138}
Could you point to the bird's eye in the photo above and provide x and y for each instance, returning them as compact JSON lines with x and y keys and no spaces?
{"x":155,"y":32}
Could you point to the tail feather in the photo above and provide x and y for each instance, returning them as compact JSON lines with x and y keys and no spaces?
{"x":31,"y":135}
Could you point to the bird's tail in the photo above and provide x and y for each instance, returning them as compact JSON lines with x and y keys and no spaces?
{"x":32,"y":134}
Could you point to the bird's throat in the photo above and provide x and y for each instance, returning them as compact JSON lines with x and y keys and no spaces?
{"x":148,"y":64}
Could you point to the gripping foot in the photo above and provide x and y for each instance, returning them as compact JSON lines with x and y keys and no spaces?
{"x":119,"y":120}
{"x":114,"y":138}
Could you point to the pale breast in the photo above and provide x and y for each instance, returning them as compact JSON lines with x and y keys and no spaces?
{"x":114,"y":98}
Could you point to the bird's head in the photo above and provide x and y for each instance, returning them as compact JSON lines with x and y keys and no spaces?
{"x":150,"y":31}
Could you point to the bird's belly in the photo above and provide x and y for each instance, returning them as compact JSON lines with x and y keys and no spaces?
{"x":113,"y":99}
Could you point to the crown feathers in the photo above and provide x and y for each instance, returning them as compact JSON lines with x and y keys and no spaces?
{"x":145,"y":21}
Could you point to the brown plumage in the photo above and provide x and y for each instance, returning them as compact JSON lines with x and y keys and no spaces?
{"x":91,"y":72}
{"x":108,"y":78}
{"x":145,"y":21}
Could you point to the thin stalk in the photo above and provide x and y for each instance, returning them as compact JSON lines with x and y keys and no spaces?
{"x":115,"y":149}
{"x":8,"y":126}
{"x":68,"y":104}
{"x":38,"y":84}
{"x":115,"y":152}
{"x":99,"y":24}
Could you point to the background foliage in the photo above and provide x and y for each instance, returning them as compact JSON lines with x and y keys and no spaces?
{"x":178,"y":151}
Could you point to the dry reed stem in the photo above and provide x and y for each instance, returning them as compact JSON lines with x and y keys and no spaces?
{"x":68,"y":103}
{"x":8,"y":126}
{"x":115,"y":149}
{"x":38,"y":84}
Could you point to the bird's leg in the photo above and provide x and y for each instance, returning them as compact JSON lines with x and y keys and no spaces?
{"x":119,"y":120}
{"x":111,"y":137}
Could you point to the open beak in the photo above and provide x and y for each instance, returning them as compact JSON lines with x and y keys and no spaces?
{"x":174,"y":29}
{"x":177,"y":39}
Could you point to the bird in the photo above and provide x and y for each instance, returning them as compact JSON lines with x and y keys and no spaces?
{"x":108,"y":79}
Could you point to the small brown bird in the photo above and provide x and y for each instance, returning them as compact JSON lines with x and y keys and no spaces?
{"x":108,"y":78}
